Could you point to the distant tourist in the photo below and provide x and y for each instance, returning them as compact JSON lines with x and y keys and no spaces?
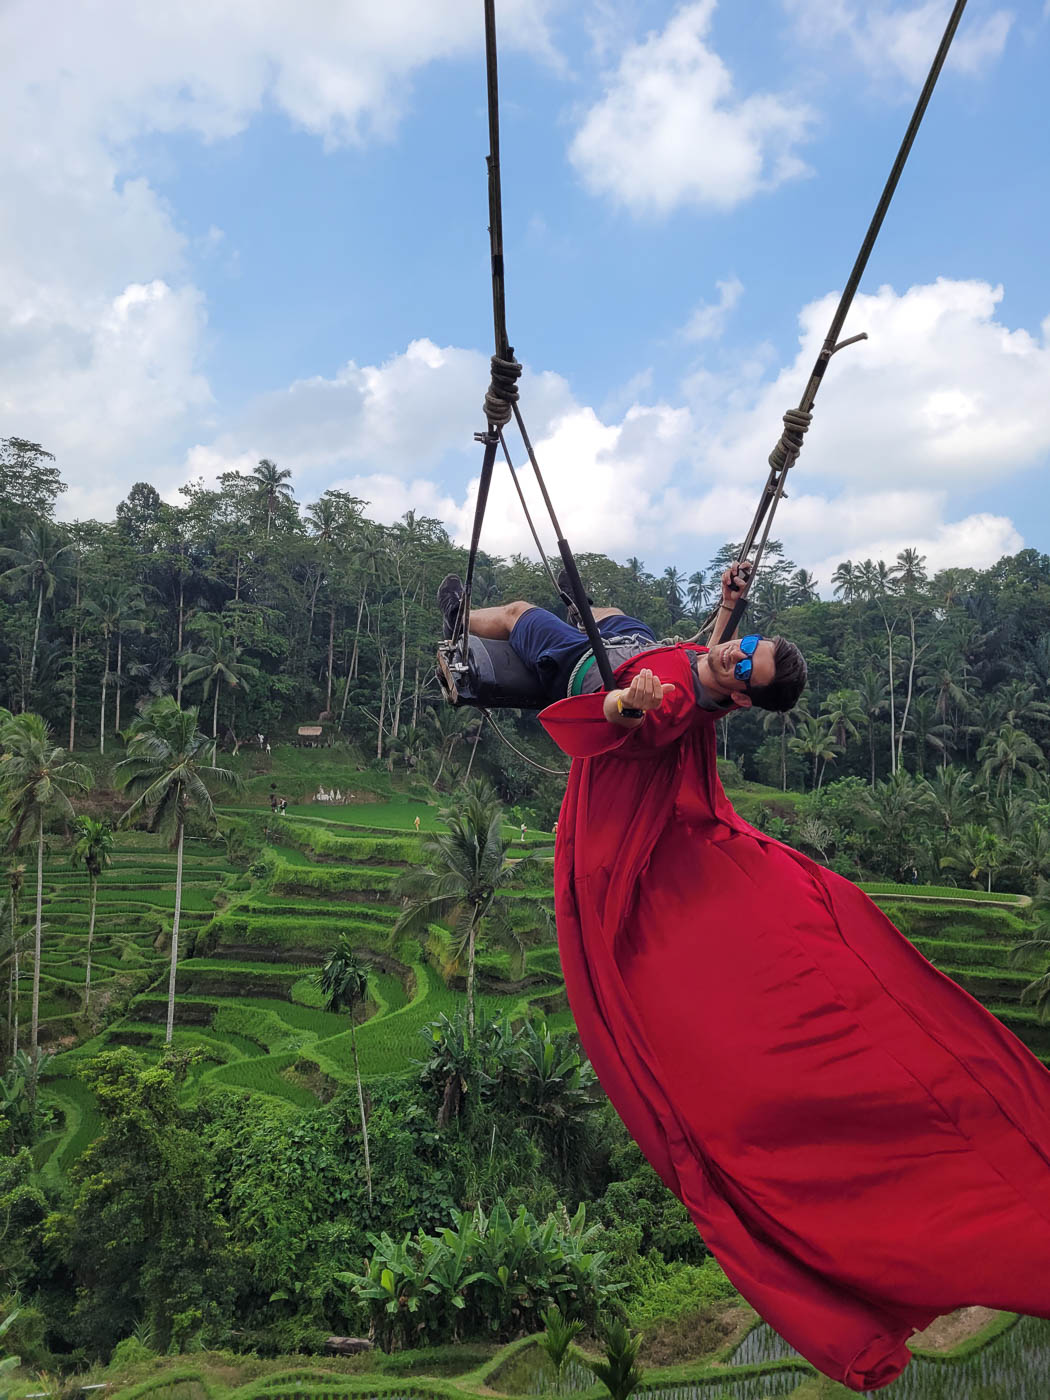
{"x":524,"y":828}
{"x":554,"y":829}
{"x":416,"y":825}
{"x":283,"y":806}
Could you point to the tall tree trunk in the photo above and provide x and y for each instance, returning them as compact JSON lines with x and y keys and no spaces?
{"x":215,"y":712}
{"x":416,"y":688}
{"x":175,"y":936}
{"x":34,"y":1034}
{"x":116,"y":697}
{"x":36,"y":635}
{"x":471,"y":950}
{"x":361,"y":1106}
{"x":331,"y":654}
{"x":14,"y":940}
{"x":73,"y":692}
{"x":237,"y":580}
{"x":474,"y":749}
{"x":907,"y":698}
{"x":91,"y":937}
{"x":357,"y":635}
{"x":871,"y":746}
{"x":178,"y":646}
{"x":73,"y":665}
{"x":383,"y":685}
{"x":102,"y":708}
{"x":893,"y":721}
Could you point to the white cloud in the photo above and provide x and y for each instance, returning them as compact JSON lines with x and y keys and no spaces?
{"x":941,"y":394}
{"x":670,"y":130}
{"x":942,"y":403}
{"x":101,"y":328}
{"x":899,"y":41}
{"x":709,"y":318}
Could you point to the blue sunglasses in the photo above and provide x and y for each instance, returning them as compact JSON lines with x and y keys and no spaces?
{"x":742,"y":670}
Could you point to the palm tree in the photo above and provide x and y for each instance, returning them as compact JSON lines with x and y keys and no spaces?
{"x":930,"y":735}
{"x":699,"y":592}
{"x":16,"y":875}
{"x":93,"y":850}
{"x":36,"y":779}
{"x":871,"y":689}
{"x":976,"y":851}
{"x":115,"y":612}
{"x":37,"y":564}
{"x":344,"y":982}
{"x":814,"y":740}
{"x":1007,"y":754}
{"x":466,"y":868}
{"x":672,"y":581}
{"x":165,"y":774}
{"x":273,"y":482}
{"x":843,"y":713}
{"x":844,"y":581}
{"x":217,"y":662}
{"x":951,"y":790}
{"x":802,"y":587}
{"x":787,"y":721}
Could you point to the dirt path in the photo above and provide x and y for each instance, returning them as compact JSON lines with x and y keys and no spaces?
{"x":946,"y":1332}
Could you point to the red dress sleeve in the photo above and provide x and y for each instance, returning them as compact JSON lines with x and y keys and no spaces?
{"x":580,"y":729}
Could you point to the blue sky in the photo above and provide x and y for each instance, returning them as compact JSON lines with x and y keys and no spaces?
{"x":234,"y":231}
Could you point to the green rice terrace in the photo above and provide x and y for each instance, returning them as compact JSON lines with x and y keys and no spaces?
{"x":253,"y":936}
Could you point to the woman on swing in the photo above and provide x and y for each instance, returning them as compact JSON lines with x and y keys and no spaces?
{"x":861,"y":1145}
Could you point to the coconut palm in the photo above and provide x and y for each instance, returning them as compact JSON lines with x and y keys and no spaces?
{"x":673,"y":580}
{"x":217,"y":662}
{"x":872,"y":692}
{"x":40,"y":560}
{"x":700,"y":592}
{"x":37,"y":780}
{"x":463,"y":870}
{"x":930,"y":735}
{"x":976,"y":851}
{"x":1010,"y":753}
{"x":951,"y":790}
{"x":16,"y":875}
{"x":273,"y":487}
{"x":802,"y":587}
{"x":843,"y":713}
{"x":93,"y":849}
{"x":114,"y":612}
{"x":813,"y":740}
{"x":343,"y":980}
{"x":166,"y":775}
{"x":844,"y":581}
{"x":786,"y":721}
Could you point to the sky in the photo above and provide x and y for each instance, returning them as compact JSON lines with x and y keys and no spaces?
{"x":235,"y":229}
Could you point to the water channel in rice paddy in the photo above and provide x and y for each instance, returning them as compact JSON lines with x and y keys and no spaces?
{"x":1015,"y":1366}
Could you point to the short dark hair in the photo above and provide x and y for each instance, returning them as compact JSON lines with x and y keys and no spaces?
{"x":789,"y":678}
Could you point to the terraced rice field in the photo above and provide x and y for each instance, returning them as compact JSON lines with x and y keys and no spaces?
{"x":246,"y":994}
{"x":247,"y":999}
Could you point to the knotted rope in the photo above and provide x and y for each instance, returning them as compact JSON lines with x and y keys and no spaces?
{"x":796,"y":422}
{"x":502,"y":393}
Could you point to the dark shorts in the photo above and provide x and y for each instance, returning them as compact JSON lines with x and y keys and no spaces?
{"x":552,"y":647}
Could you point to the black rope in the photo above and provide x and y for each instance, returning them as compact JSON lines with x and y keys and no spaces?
{"x":554,"y":772}
{"x":501,"y":400}
{"x":796,"y":421}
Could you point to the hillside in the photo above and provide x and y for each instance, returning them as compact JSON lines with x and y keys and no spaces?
{"x":254,"y":933}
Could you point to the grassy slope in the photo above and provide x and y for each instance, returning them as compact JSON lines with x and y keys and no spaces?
{"x":246,"y":997}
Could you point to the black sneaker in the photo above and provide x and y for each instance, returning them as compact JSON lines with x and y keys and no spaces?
{"x":572,"y":611}
{"x":450,"y":599}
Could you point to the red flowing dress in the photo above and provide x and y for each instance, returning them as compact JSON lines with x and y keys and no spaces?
{"x":861,"y":1145}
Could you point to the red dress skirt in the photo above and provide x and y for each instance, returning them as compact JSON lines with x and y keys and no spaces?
{"x":861,"y":1145}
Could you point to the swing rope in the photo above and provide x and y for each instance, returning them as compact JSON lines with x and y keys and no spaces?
{"x":501,"y":404}
{"x":797,"y":420}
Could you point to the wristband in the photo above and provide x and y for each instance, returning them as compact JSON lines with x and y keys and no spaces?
{"x":627,"y":711}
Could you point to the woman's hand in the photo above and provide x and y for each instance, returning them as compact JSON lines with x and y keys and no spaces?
{"x":646,"y":692}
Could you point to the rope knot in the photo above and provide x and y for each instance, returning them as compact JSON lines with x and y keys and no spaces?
{"x":502,"y":392}
{"x":796,"y":421}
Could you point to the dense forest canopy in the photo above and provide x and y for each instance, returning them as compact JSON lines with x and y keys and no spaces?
{"x":268,"y":613}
